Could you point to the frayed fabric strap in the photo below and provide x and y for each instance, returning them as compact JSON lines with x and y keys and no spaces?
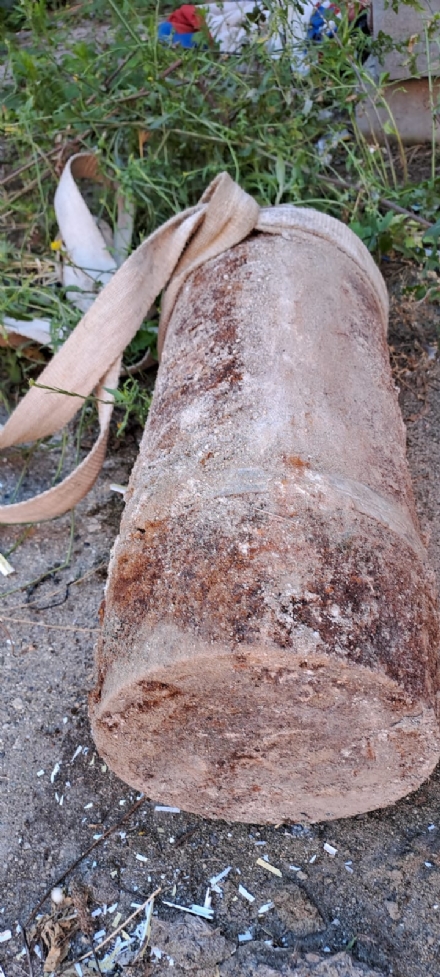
{"x":90,"y":359}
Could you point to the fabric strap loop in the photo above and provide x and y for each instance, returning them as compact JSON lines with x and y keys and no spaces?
{"x":90,"y":359}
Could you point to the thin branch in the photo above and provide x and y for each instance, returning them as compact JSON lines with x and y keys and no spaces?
{"x":23,"y":168}
{"x":389,"y":204}
{"x":9,"y":636}
{"x":28,"y":186}
{"x":84,"y":855}
{"x":118,"y":929}
{"x":28,"y":952}
{"x":172,"y":67}
{"x":114,"y":74}
{"x":47,"y":573}
{"x":53,"y":593}
{"x":51,"y":627}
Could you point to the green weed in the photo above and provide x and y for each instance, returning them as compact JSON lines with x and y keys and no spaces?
{"x":165,"y":121}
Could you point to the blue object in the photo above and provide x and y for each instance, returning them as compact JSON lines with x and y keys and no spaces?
{"x":166,"y":32}
{"x":317,"y":25}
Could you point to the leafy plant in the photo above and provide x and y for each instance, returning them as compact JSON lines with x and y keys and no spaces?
{"x":165,"y":121}
{"x":134,"y":401}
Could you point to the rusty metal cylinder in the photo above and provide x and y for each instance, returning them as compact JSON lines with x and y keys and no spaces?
{"x":269,"y":647}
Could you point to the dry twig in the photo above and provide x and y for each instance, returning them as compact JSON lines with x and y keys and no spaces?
{"x":53,"y":593}
{"x":388,"y":204}
{"x":84,"y":854}
{"x":118,"y":929}
{"x":28,"y":952}
{"x":51,"y":627}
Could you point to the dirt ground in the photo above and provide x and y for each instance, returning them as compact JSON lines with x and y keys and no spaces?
{"x":377,"y":898}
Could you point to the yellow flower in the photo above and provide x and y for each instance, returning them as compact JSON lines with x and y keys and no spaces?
{"x":56,"y":245}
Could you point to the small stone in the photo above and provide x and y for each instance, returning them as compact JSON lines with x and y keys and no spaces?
{"x":192,"y":944}
{"x":392,"y":909}
{"x":17,"y":704}
{"x":297,"y":913}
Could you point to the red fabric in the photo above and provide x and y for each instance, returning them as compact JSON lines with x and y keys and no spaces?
{"x":186,"y":19}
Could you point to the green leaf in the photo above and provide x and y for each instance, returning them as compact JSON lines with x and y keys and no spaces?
{"x":280,"y":172}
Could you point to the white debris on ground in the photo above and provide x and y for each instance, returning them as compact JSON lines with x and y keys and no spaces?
{"x":167,"y":810}
{"x":120,"y":941}
{"x":246,"y":895}
{"x":265,"y":908}
{"x":204,"y":911}
{"x":5,"y":567}
{"x":57,"y":895}
{"x":55,"y":772}
{"x":330,"y":850}
{"x":216,"y":879}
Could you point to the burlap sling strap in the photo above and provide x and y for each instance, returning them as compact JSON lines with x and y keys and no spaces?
{"x":90,"y":359}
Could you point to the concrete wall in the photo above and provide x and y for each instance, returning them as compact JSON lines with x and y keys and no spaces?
{"x":408,"y":27}
{"x":408,"y":94}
